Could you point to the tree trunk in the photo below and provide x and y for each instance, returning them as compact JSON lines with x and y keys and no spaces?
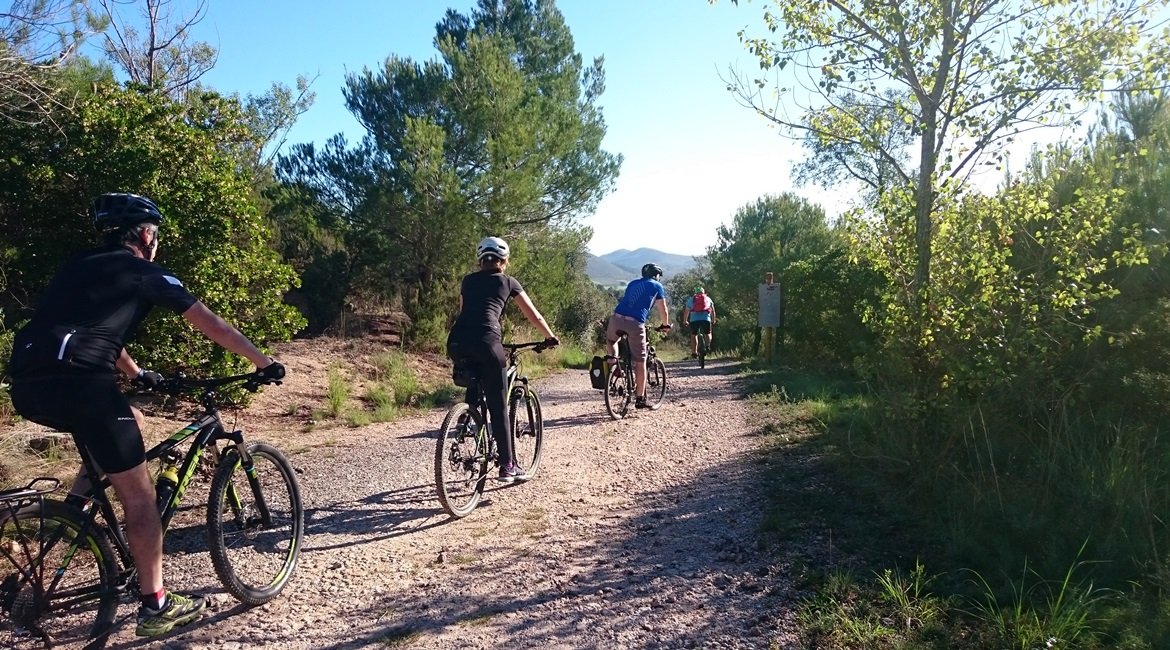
{"x":923,"y":208}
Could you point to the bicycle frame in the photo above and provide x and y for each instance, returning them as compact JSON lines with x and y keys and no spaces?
{"x":626,"y":358}
{"x":512,"y":378}
{"x":207,"y":430}
{"x":63,"y":532}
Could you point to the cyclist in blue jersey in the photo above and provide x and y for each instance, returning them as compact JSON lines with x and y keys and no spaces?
{"x":630,"y":316}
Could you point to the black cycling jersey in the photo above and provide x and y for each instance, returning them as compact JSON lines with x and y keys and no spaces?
{"x":91,"y":308}
{"x":484,"y":295}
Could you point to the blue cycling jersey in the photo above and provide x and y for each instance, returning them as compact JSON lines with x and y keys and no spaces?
{"x":639,"y":298}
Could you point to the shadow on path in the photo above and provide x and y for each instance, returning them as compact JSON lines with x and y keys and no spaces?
{"x":685,"y":551}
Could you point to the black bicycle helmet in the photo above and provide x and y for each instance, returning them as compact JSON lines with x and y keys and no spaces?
{"x":651,"y":270}
{"x":118,"y":211}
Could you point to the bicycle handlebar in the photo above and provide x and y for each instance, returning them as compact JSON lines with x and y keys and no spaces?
{"x":179,"y":383}
{"x":537,"y":346}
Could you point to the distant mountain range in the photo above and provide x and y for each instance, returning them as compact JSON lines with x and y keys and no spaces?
{"x":619,"y":267}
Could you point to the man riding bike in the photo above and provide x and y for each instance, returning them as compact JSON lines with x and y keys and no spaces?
{"x":700,"y":315}
{"x":63,"y":370}
{"x":476,"y":339}
{"x":630,"y":316}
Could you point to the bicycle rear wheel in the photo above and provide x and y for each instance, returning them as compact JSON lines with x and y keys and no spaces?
{"x":37,"y":541}
{"x":461,"y":460}
{"x":702,"y":350}
{"x":655,"y":381}
{"x":527,"y":430}
{"x":255,"y":522}
{"x":618,"y":393}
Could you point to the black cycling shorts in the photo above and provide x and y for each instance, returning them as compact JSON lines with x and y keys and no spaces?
{"x":92,"y":409}
{"x":700,"y":327}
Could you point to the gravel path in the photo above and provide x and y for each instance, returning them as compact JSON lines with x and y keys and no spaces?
{"x":635,"y":534}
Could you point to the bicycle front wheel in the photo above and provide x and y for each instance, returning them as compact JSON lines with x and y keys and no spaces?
{"x":655,"y":381}
{"x":255,"y":522}
{"x":57,"y":586}
{"x":527,"y":430}
{"x":461,"y":461}
{"x":618,"y":393}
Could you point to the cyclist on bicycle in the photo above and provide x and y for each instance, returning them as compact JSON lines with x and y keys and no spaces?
{"x":630,"y":316}
{"x":700,"y":315}
{"x":63,"y":370}
{"x":476,"y":340}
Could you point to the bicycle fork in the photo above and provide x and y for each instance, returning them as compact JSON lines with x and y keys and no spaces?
{"x":249,"y":466}
{"x":520,"y":396}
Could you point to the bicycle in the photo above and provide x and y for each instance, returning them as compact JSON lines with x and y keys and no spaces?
{"x":702,"y":349}
{"x":64,"y":569}
{"x":620,"y":380}
{"x":466,"y":447}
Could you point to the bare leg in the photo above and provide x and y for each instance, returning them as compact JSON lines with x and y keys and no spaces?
{"x":694,"y":344}
{"x":640,"y":379}
{"x":143,"y":526}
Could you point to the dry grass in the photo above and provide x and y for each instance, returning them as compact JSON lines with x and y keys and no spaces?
{"x":28,"y":451}
{"x":276,"y":414}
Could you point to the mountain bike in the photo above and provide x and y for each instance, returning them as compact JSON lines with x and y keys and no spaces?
{"x":702,"y":349}
{"x":620,"y":381}
{"x":64,"y":568}
{"x":466,"y":448}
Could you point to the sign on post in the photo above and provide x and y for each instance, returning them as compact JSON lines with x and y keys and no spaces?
{"x":769,"y":305}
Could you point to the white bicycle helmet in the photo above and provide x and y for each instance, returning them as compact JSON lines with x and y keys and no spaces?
{"x":492,"y":246}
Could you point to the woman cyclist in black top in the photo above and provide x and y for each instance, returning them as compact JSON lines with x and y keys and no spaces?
{"x":476,"y":340}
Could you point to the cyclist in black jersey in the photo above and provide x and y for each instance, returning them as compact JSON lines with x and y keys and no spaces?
{"x":475,"y":339}
{"x":63,"y":371}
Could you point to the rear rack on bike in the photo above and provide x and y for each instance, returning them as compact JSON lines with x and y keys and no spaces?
{"x":31,"y":491}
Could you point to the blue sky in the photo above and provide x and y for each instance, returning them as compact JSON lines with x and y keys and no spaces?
{"x":692,"y":155}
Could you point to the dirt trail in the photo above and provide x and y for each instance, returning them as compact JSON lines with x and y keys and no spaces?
{"x":635,"y":534}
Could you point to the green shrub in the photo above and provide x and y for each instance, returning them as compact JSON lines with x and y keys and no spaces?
{"x":336,"y":394}
{"x":180,"y":155}
{"x":392,"y":369}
